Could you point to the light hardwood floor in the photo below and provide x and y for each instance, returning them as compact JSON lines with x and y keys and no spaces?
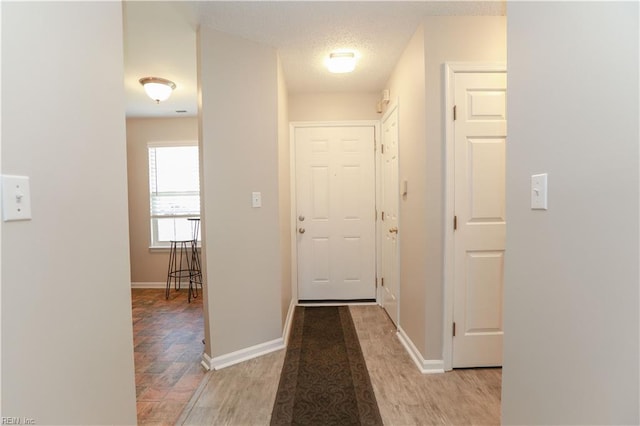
{"x":407,"y":397}
{"x":243,"y":394}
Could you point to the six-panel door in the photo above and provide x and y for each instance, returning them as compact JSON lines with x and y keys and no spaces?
{"x":480,"y":143}
{"x":335,"y":197}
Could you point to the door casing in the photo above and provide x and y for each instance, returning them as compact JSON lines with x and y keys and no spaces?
{"x":450,"y":69}
{"x":383,"y":227}
{"x":292,"y":180}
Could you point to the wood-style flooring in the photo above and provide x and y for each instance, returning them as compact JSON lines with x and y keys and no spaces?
{"x":407,"y":397}
{"x":243,"y":394}
{"x":167,"y":339}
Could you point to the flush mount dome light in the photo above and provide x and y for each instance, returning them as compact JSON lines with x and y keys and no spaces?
{"x":158,"y":89}
{"x":341,"y":62}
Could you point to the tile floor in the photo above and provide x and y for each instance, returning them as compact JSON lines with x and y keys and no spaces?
{"x":168,"y":347}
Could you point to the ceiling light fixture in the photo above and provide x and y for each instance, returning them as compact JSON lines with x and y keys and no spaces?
{"x":341,"y":62}
{"x":158,"y":89}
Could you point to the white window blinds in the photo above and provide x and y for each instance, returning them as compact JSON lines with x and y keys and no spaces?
{"x":174,"y":187}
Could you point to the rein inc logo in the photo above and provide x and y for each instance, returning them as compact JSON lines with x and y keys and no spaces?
{"x":17,"y":421}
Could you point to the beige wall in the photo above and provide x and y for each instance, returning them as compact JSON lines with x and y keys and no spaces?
{"x":67,"y":341}
{"x":239,"y":150}
{"x":333,"y":106}
{"x":571,"y":348}
{"x":284,"y":192}
{"x":447,"y":39}
{"x":148,"y":268}
{"x":407,"y":85}
{"x":417,"y":82}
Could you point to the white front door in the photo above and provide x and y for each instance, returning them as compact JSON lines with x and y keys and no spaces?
{"x":389,"y":215}
{"x":335,"y":203}
{"x":479,"y":240}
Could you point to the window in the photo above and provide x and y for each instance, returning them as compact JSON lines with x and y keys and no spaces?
{"x":174,"y":188}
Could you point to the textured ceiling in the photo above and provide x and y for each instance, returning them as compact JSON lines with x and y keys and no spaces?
{"x":160,"y":41}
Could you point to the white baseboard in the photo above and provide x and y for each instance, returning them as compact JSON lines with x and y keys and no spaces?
{"x":426,"y":366}
{"x":227,"y":360}
{"x":206,"y":361}
{"x":149,"y":285}
{"x":287,"y":323}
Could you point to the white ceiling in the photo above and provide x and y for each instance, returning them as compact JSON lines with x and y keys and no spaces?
{"x":160,"y":41}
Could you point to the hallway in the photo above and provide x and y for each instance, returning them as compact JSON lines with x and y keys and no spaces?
{"x":244,"y":393}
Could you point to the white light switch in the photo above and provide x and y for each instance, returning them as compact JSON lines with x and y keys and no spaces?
{"x":16,"y":198}
{"x":256,"y":199}
{"x":539,"y":192}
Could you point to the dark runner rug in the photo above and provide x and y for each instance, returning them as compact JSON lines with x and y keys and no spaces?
{"x":324,"y":378}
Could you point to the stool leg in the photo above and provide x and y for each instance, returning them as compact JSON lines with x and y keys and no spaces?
{"x":178,"y":268}
{"x":194,"y":272}
{"x":190,"y":268}
{"x":172,"y":258}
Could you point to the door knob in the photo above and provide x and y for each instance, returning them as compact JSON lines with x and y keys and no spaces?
{"x":393,"y":230}
{"x":301,"y":218}
{"x":301,"y":230}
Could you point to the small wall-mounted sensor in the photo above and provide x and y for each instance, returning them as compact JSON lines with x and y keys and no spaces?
{"x":384,"y":100}
{"x":16,"y":198}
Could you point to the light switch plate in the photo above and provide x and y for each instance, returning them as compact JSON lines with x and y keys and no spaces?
{"x":16,"y":198}
{"x":256,"y":199}
{"x":539,"y":192}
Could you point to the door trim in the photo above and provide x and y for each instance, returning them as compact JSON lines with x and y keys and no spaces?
{"x":450,"y":69}
{"x":293,"y":125}
{"x":393,"y":107}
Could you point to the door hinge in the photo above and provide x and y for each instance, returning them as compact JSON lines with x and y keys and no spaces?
{"x":455,"y":115}
{"x":382,"y":215}
{"x":455,"y":223}
{"x":382,"y":282}
{"x":382,"y":148}
{"x":454,"y":329}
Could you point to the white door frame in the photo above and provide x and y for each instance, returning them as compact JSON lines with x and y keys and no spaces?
{"x":393,"y":106}
{"x":292,"y":180}
{"x":450,"y":69}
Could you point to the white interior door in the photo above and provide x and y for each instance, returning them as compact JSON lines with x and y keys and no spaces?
{"x":335,"y":202}
{"x":479,"y":240}
{"x":389,"y":215}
